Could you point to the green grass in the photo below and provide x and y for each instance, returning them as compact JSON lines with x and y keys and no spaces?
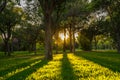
{"x":85,"y":69}
{"x":22,"y":53}
{"x":109,"y":59}
{"x":82,"y":66}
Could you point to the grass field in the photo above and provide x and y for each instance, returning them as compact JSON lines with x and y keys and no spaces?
{"x":80,"y":66}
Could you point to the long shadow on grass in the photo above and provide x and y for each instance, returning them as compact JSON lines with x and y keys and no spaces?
{"x":107,"y":62}
{"x":13,"y":68}
{"x":67,"y":70}
{"x":25,"y":73}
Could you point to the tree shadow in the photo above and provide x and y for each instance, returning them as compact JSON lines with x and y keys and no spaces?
{"x":13,"y":68}
{"x":105,"y":59}
{"x":25,"y":73}
{"x":67,"y":70}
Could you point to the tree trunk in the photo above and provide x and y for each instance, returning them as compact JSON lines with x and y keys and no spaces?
{"x":3,"y":5}
{"x":118,"y":42}
{"x":7,"y":48}
{"x":56,"y":42}
{"x":73,"y":50}
{"x":48,"y":37}
{"x":64,"y":44}
{"x":30,"y":47}
{"x":35,"y":52}
{"x":95,"y":44}
{"x":56,"y":48}
{"x":70,"y":33}
{"x":12,"y":47}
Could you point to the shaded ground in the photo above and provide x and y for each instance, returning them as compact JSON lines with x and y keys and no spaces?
{"x":82,"y":66}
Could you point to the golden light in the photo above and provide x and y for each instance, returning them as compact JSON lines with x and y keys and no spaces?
{"x":76,"y":35}
{"x":61,"y":35}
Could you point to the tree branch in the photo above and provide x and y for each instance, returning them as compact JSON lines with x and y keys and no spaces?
{"x":3,"y":5}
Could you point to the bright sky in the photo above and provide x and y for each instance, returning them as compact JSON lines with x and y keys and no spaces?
{"x":61,"y":35}
{"x":89,"y":1}
{"x":22,"y":2}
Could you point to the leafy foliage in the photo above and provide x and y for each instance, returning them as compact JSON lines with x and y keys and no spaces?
{"x":8,"y":19}
{"x":85,"y":43}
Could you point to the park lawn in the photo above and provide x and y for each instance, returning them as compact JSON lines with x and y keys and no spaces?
{"x":79,"y":66}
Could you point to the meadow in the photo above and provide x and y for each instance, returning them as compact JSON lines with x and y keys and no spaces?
{"x":95,"y":65}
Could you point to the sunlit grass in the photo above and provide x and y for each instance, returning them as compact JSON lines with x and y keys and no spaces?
{"x":88,"y":70}
{"x":19,"y":70}
{"x":82,"y":66}
{"x":109,"y":59}
{"x":51,"y":71}
{"x":12,"y":66}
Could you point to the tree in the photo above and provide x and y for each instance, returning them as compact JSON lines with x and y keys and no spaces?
{"x":8,"y":19}
{"x":75,"y":14}
{"x":92,"y":27}
{"x":48,"y":8}
{"x":2,"y":5}
{"x":113,"y":9}
{"x":64,"y":44}
{"x":31,"y":35}
{"x":32,"y":23}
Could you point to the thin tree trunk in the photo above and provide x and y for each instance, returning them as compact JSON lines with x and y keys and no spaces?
{"x":30,"y":47}
{"x":70,"y":33}
{"x":12,"y":48}
{"x":2,"y":6}
{"x":73,"y":41}
{"x":64,"y":44}
{"x":7,"y":48}
{"x":56,"y":44}
{"x":56,"y":48}
{"x":95,"y":43}
{"x":118,"y":42}
{"x":35,"y":52}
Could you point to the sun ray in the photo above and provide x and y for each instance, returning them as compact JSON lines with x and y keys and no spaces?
{"x":61,"y":35}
